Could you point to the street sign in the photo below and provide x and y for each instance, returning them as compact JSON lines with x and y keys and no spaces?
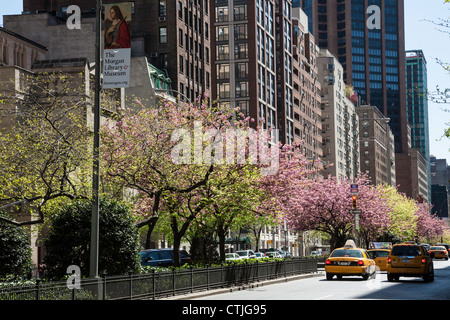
{"x":356,"y":211}
{"x":354,"y":189}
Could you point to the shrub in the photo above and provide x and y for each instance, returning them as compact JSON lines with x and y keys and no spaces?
{"x":68,"y":240}
{"x":15,"y":250}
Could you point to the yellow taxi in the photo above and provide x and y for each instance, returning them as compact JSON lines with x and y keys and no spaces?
{"x":409,"y":260}
{"x":380,"y":257}
{"x":438,"y":252}
{"x":350,"y":261}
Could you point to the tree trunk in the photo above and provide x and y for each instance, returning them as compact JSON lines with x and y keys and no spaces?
{"x":151,"y":225}
{"x":221,"y":234}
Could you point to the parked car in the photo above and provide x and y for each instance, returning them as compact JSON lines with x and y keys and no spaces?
{"x":316,"y":253}
{"x":438,"y":252}
{"x":246,"y":254}
{"x":350,"y":261}
{"x":287,"y":254}
{"x":260,"y":255}
{"x":274,"y":254}
{"x":162,"y":257}
{"x":409,"y":260}
{"x":232,"y":256}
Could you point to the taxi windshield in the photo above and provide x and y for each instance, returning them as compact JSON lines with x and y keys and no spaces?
{"x":347,"y":253}
{"x":437,"y":248}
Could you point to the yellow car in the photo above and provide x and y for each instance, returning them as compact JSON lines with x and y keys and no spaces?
{"x":380,"y":257}
{"x":438,"y":252}
{"x":409,"y":260}
{"x":350,"y":261}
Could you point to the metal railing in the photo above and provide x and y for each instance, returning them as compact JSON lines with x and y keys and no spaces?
{"x":155,"y":285}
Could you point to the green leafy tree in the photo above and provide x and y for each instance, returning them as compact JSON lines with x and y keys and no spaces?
{"x":45,"y":142}
{"x":68,"y":239}
{"x":402,"y":214}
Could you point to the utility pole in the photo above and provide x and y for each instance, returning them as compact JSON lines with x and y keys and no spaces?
{"x":93,"y":263}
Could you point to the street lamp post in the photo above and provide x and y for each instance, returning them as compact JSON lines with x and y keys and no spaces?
{"x":94,"y":247}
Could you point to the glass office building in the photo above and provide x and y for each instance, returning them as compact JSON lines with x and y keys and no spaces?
{"x":416,"y":100}
{"x":372,"y":56}
{"x":417,"y":104}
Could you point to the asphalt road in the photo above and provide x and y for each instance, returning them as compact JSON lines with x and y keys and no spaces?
{"x":349,"y":288}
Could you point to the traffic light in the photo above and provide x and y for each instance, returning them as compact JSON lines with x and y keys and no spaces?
{"x":354,"y":202}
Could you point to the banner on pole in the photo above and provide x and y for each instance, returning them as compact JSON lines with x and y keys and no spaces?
{"x":117,"y":49}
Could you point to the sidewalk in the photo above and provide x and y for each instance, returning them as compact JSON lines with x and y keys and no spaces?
{"x":256,"y":284}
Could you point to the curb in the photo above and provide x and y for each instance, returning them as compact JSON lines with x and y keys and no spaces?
{"x":212,"y":292}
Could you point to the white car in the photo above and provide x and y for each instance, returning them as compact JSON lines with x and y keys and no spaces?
{"x":273,"y":254}
{"x":246,"y":254}
{"x":232,"y":256}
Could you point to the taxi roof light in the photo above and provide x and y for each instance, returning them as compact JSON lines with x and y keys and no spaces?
{"x":350,"y":244}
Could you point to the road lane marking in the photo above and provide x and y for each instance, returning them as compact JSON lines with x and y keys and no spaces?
{"x":324,"y":297}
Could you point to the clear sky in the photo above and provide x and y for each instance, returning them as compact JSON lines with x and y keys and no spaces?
{"x":420,"y":34}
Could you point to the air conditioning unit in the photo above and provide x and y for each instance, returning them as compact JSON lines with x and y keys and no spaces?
{"x":154,"y":55}
{"x":162,"y":18}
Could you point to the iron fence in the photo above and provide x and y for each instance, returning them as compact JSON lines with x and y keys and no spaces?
{"x":155,"y":285}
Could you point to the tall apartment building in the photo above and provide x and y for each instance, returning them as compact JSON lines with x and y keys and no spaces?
{"x":173,"y":35}
{"x":340,"y":141}
{"x":419,"y":176}
{"x":244,"y":52}
{"x":271,"y":76}
{"x":377,"y":155}
{"x":306,"y":88}
{"x":440,"y":187}
{"x":373,"y":59}
{"x":239,"y":71}
{"x":284,"y":68}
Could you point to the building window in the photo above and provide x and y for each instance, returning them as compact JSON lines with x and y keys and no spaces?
{"x":223,"y":71}
{"x":162,"y":8}
{"x":222,"y":33}
{"x":180,"y":10}
{"x":241,"y":89}
{"x":240,"y":32}
{"x":180,"y":37}
{"x":241,"y":70}
{"x":163,"y":61}
{"x":181,"y":64}
{"x":240,"y":51}
{"x":240,"y":12}
{"x":163,"y":35}
{"x":222,"y":52}
{"x":223,"y":90}
{"x":221,"y":14}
